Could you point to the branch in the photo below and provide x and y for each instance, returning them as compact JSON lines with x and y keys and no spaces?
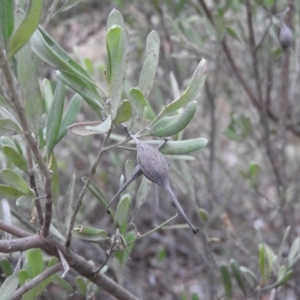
{"x":83,"y":191}
{"x":35,"y":281}
{"x":21,"y":244}
{"x":14,"y":230}
{"x":50,"y":13}
{"x":32,"y":182}
{"x":16,"y":100}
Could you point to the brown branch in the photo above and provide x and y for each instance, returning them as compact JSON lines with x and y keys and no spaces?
{"x":35,"y":281}
{"x":14,"y":230}
{"x":253,"y":51}
{"x":21,"y":244}
{"x":32,"y":182}
{"x":78,"y":263}
{"x":16,"y":100}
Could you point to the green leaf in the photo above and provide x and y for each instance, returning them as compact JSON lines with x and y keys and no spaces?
{"x":285,"y":278}
{"x":195,"y":296}
{"x":101,"y":128}
{"x":99,"y":195}
{"x":9,"y":286}
{"x":150,"y":63}
{"x":142,"y":192}
{"x":82,"y":91}
{"x":30,"y":88}
{"x":226,"y":280}
{"x":169,"y":126}
{"x":17,"y":182}
{"x":124,"y":254}
{"x":81,"y":285}
{"x":238,"y":275}
{"x":35,"y":262}
{"x":48,"y":94}
{"x":70,"y":116}
{"x":49,"y":51}
{"x":262,"y":255}
{"x":115,"y":18}
{"x":124,"y":112}
{"x":6,"y":266}
{"x":294,"y":253}
{"x":7,"y":191}
{"x":250,"y":277}
{"x":117,"y":52}
{"x":129,"y":168}
{"x":190,"y":92}
{"x":89,"y":233}
{"x":65,"y":285}
{"x":203,"y":214}
{"x":7,"y":9}
{"x":8,"y":127}
{"x":55,"y":178}
{"x":23,"y":277}
{"x":80,"y":128}
{"x":180,"y":147}
{"x":26,"y":28}
{"x":16,"y":158}
{"x":139,"y":103}
{"x":122,"y":211}
{"x":54,"y":117}
{"x":232,"y":33}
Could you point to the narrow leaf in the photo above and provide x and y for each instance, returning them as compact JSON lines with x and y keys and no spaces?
{"x":35,"y":262}
{"x":180,"y":147}
{"x":191,"y":91}
{"x":150,"y":63}
{"x":7,"y":9}
{"x":54,"y":117}
{"x":101,"y":128}
{"x":169,"y":126}
{"x":250,"y":277}
{"x":117,"y":52}
{"x":238,"y":275}
{"x":9,"y":286}
{"x":124,"y":112}
{"x":142,"y":192}
{"x":122,"y":211}
{"x":16,"y":158}
{"x":67,"y":5}
{"x":226,"y":280}
{"x":26,"y":28}
{"x":81,"y":285}
{"x":8,"y":127}
{"x":70,"y":115}
{"x":139,"y":103}
{"x":48,"y":94}
{"x":80,"y":128}
{"x":89,"y":233}
{"x":30,"y":88}
{"x":17,"y":182}
{"x":6,"y":266}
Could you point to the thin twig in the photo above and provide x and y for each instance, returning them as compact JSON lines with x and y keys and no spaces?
{"x":32,"y":182}
{"x":83,"y":191}
{"x":50,"y":13}
{"x":35,"y":281}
